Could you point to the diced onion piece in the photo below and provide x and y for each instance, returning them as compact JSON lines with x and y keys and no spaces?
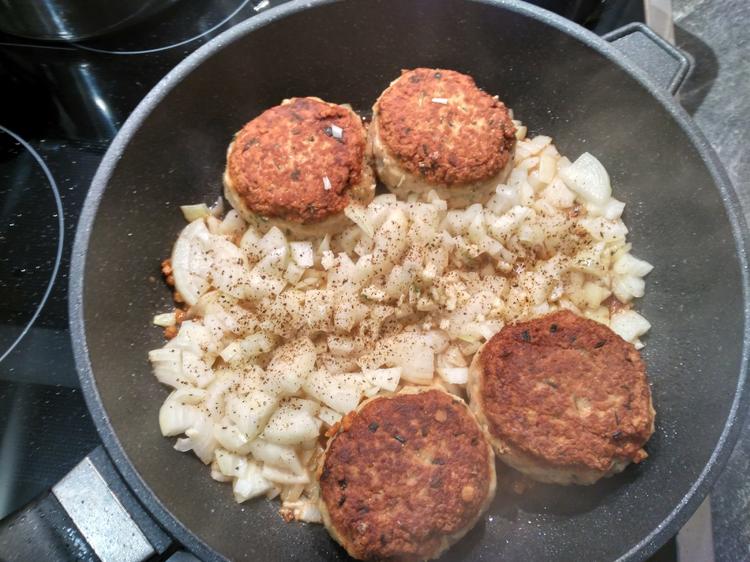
{"x":251,"y":413}
{"x":289,"y":426}
{"x":329,"y":416}
{"x":410,"y":351}
{"x":387,"y":379}
{"x":454,"y":375}
{"x":374,"y":293}
{"x":327,"y":260}
{"x":326,"y":183}
{"x":200,"y":439}
{"x":348,"y":313}
{"x":318,"y":309}
{"x":308,"y":512}
{"x":589,"y":179}
{"x":303,"y":254}
{"x":504,"y":199}
{"x":190,"y":262}
{"x":628,"y":287}
{"x":627,"y":264}
{"x":176,"y":418}
{"x":252,"y":484}
{"x":442,"y":101}
{"x":312,"y":407}
{"x":334,"y":392}
{"x":538,"y":143}
{"x":187,"y":395}
{"x":613,"y":209}
{"x":293,"y":273}
{"x":251,"y":346}
{"x":629,"y":325}
{"x":196,"y":370}
{"x":233,"y":225}
{"x":558,"y":195}
{"x":195,"y":212}
{"x":358,"y":215}
{"x":165,"y":320}
{"x":292,"y":363}
{"x":279,"y":456}
{"x":283,"y":477}
{"x":230,"y":464}
{"x":230,"y":437}
{"x":547,"y":169}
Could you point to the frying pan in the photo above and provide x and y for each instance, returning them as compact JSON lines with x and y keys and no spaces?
{"x":559,"y":79}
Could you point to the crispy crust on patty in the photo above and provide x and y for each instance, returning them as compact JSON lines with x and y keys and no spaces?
{"x":406,"y":476}
{"x":564,"y":398}
{"x":466,"y":140}
{"x":278,"y":163}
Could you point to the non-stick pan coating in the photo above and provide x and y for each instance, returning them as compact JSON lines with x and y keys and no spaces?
{"x":560,"y":81}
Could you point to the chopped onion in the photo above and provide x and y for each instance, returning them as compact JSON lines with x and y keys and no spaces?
{"x":190,"y":262}
{"x":176,"y":418}
{"x":337,"y":133}
{"x":329,"y":416}
{"x":410,"y":351}
{"x":251,"y":346}
{"x":588,"y":178}
{"x":303,"y":254}
{"x":334,"y":392}
{"x":443,"y":101}
{"x":292,"y":363}
{"x":282,"y":477}
{"x":230,"y":437}
{"x":195,"y":212}
{"x":629,"y":325}
{"x":327,"y":260}
{"x":200,"y":440}
{"x":326,"y":183}
{"x":387,"y":379}
{"x":229,"y":464}
{"x":279,"y":456}
{"x":629,"y":265}
{"x":251,"y":413}
{"x":454,"y":375}
{"x":251,"y":484}
{"x":358,"y":215}
{"x":165,"y":320}
{"x":290,"y":426}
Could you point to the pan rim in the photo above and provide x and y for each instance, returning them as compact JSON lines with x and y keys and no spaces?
{"x":725,"y":444}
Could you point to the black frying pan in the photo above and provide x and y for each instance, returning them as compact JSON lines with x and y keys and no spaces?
{"x":560,"y":80}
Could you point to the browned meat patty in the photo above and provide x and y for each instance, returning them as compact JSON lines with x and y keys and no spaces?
{"x":298,"y":165}
{"x":435,"y":129}
{"x":564,"y":398}
{"x":406,"y":476}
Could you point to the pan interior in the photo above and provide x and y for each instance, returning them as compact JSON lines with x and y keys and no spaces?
{"x":349,"y":52}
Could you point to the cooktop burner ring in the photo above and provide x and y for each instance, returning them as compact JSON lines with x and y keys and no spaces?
{"x":53,"y":272}
{"x":257,"y":6}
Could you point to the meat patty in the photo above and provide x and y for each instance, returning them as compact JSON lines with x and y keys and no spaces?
{"x":406,"y":476}
{"x":435,"y":129}
{"x":298,"y":165}
{"x":563,"y":398}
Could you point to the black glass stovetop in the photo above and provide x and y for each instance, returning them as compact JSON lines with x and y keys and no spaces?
{"x":62,"y":104}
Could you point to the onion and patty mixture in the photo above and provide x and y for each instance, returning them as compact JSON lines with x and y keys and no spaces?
{"x":277,"y":337}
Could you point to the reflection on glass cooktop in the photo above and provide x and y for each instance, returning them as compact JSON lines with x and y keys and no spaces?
{"x":31,"y":237}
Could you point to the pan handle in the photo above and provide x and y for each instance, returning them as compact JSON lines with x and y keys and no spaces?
{"x":665,"y":64}
{"x":89,"y":515}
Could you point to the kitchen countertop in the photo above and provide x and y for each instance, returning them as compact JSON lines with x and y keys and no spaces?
{"x":717,"y":95}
